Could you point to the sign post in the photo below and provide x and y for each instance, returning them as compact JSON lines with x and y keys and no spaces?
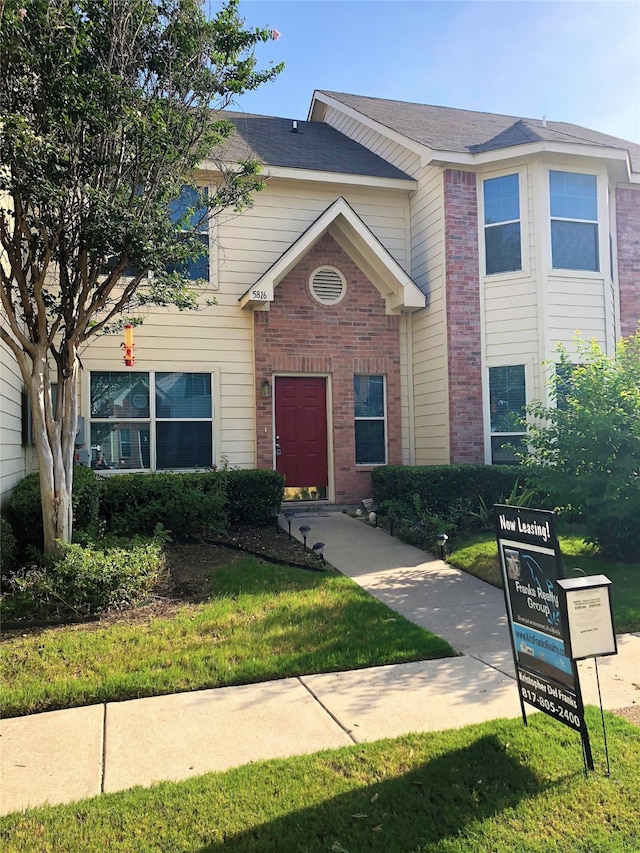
{"x":531,"y":565}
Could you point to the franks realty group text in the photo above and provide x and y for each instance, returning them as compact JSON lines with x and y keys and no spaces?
{"x":534,"y":593}
{"x":529,"y":528}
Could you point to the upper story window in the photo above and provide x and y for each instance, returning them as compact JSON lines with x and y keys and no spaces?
{"x":502,"y":224}
{"x":188,"y":213}
{"x":574,"y":221}
{"x":153,"y":421}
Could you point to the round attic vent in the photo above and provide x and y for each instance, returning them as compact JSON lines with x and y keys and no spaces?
{"x":328,"y":285}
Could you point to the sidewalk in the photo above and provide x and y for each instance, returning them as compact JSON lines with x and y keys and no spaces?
{"x":61,"y":756}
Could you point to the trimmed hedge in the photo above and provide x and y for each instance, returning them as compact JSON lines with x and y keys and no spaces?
{"x":441,"y":487}
{"x":190,"y":504}
{"x":252,"y":495}
{"x":184,"y":504}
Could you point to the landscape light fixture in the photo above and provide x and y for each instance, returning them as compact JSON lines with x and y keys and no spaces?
{"x":317,"y":550}
{"x":441,"y":543}
{"x":304,"y":529}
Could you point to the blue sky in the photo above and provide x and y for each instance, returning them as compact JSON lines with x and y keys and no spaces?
{"x":569,"y":60}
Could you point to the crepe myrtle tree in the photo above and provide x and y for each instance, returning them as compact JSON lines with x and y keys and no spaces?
{"x":106,"y":109}
{"x":584,"y":448}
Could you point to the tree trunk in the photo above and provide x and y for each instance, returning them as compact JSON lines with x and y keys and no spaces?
{"x":54,"y":430}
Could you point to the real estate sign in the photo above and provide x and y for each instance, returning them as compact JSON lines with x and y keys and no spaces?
{"x":531,"y":566}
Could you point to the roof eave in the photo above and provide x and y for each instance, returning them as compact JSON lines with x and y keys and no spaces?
{"x":618,"y":156}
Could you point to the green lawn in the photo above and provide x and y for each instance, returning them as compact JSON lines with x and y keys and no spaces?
{"x":478,"y":555}
{"x":262,"y":622}
{"x":493,"y":788}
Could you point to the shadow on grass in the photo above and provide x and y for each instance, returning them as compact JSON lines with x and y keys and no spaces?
{"x":420,"y":807}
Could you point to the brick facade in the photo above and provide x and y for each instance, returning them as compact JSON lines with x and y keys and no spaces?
{"x":298,"y":335}
{"x":466,"y":434}
{"x":628,"y":235}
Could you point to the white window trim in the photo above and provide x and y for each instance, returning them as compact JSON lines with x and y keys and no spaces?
{"x":486,"y":383}
{"x":602,"y":223}
{"x":384,"y":420}
{"x":525,"y":252}
{"x":152,"y":419}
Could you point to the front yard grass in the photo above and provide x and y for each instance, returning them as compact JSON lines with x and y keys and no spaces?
{"x":478,"y":555}
{"x":492,"y":788}
{"x":261,"y":622}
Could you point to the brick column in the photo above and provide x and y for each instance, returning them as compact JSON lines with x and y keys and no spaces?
{"x":628,"y":235}
{"x":463,"y":317}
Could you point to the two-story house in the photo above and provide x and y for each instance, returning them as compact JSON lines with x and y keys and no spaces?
{"x":391,"y":297}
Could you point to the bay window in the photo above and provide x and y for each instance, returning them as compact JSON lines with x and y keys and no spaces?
{"x":502,"y":224}
{"x":507,"y":395}
{"x":574,"y":221}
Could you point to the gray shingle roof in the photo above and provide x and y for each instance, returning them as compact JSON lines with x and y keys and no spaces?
{"x":447,"y":129}
{"x":316,"y":146}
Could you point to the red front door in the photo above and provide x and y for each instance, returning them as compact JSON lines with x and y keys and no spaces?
{"x":301,"y":436}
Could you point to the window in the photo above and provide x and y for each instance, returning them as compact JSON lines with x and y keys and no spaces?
{"x":507,"y":401}
{"x":153,"y":421}
{"x":189,"y":214}
{"x":369,"y":409}
{"x":563,"y":384}
{"x":502,"y":224}
{"x":574,"y":221}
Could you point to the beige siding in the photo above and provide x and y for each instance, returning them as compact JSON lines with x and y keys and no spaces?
{"x":429,"y":324}
{"x":12,"y":454}
{"x":381,"y":145}
{"x":576,"y":305}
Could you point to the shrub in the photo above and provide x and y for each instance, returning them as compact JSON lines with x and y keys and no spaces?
{"x":252,"y":495}
{"x":24,"y":513}
{"x":185,"y":504}
{"x":84,"y":581}
{"x":444,"y":489}
{"x":587,"y":447}
{"x":24,"y":510}
{"x":9,"y":562}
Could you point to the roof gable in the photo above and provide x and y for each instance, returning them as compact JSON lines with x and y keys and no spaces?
{"x":350,"y":232}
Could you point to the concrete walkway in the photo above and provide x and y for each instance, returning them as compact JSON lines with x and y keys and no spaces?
{"x":61,"y":756}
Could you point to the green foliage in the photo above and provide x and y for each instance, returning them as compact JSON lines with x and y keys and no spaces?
{"x":421,"y":502}
{"x":520,"y":496}
{"x":185,"y":504}
{"x":252,"y":495}
{"x":107,"y":109}
{"x":24,"y":510}
{"x":8,"y":548}
{"x":84,"y":581}
{"x":441,"y":487}
{"x":585,"y":451}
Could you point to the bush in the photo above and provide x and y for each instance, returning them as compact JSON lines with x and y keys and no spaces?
{"x":9,"y":562}
{"x":24,"y":513}
{"x":443,"y":488}
{"x":185,"y":504}
{"x":24,"y":510}
{"x":587,"y":448}
{"x":84,"y":581}
{"x":252,"y":495}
